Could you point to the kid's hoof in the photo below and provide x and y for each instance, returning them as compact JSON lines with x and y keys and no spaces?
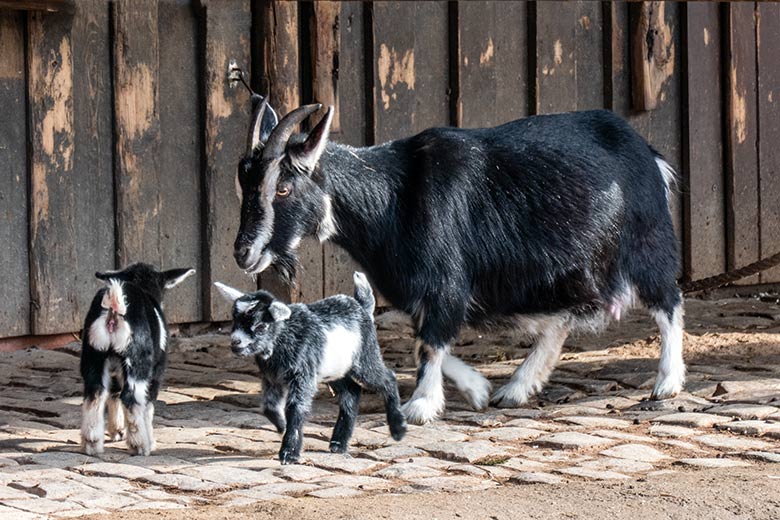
{"x":337,"y":447}
{"x":92,"y":447}
{"x":116,"y":436}
{"x":286,"y":457}
{"x":398,"y":430}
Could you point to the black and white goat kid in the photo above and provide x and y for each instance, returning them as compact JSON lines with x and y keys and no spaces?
{"x":123,"y":356}
{"x":297,"y":346}
{"x":552,"y":223}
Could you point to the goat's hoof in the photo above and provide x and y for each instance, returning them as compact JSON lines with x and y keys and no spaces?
{"x":509,"y":397}
{"x":92,"y":447}
{"x":143,"y":451}
{"x":423,"y":410}
{"x":398,"y":429}
{"x":667,"y":388}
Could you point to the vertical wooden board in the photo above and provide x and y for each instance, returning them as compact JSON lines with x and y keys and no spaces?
{"x":14,"y":276}
{"x":769,"y":132}
{"x":93,"y":174}
{"x":555,"y":50}
{"x":348,"y":70}
{"x":741,"y":155}
{"x":589,"y":63}
{"x":662,"y":127}
{"x":493,"y":62}
{"x":411,"y":79}
{"x":705,"y":231}
{"x":53,"y":193}
{"x":227,"y":118}
{"x":180,"y":157}
{"x":136,"y":107}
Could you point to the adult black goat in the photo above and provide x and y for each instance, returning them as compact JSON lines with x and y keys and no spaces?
{"x":551,"y":223}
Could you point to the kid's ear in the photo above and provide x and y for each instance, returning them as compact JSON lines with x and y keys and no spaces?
{"x":174,"y":277}
{"x":309,"y":153}
{"x":111,"y":275}
{"x":228,"y":293}
{"x":279,"y":311}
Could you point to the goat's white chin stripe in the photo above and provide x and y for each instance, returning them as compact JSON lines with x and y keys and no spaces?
{"x":262,"y":265}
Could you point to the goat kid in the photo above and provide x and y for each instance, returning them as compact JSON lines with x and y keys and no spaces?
{"x":123,"y":356}
{"x":552,"y":224}
{"x":297,"y":346}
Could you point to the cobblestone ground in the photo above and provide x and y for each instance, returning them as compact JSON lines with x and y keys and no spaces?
{"x":214,"y":447}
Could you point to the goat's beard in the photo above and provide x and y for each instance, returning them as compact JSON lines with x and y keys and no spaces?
{"x":286,"y":265}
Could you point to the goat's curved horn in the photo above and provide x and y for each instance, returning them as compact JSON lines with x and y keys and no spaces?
{"x":278,"y":138}
{"x":253,"y":139}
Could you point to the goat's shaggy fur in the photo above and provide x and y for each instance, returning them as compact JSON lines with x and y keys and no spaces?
{"x":123,"y":356}
{"x":551,"y":223}
{"x":300,"y":345}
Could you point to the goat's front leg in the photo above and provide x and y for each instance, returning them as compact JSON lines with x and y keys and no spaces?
{"x":94,"y":368}
{"x":274,"y":399}
{"x":299,"y":398}
{"x":427,"y":401}
{"x":348,"y":393}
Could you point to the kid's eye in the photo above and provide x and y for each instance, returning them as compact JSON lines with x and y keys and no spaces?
{"x":260,"y":327}
{"x":283,"y":190}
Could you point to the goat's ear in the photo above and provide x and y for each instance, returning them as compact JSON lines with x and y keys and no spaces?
{"x":264,"y":120}
{"x":309,"y":153}
{"x":279,"y":311}
{"x":111,"y":275}
{"x":227,"y":292}
{"x":174,"y":277}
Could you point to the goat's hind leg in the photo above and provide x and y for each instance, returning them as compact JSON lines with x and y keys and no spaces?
{"x":116,"y":410}
{"x":135,"y":398}
{"x":531,"y":376}
{"x":671,"y":368}
{"x":348,"y":393}
{"x":96,"y":381}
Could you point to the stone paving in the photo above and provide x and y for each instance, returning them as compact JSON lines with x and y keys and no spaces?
{"x":591,"y":422}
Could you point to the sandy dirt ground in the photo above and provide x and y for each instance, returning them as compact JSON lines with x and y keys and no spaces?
{"x":749,"y":493}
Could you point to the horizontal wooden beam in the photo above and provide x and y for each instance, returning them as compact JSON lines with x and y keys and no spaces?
{"x":50,"y":6}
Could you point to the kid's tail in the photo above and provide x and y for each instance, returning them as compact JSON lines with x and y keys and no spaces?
{"x":363,"y":293}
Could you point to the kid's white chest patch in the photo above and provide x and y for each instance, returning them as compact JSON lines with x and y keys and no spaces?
{"x":338,"y":356}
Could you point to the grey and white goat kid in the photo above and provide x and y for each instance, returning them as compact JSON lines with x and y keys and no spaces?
{"x":123,"y":356}
{"x":298,"y":346}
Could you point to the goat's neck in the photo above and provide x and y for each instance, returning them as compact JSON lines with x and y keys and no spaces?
{"x":363,"y":184}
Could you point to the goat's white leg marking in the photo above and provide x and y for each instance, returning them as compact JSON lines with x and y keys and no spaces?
{"x":149,"y":425}
{"x":92,"y":421}
{"x":473,"y":385}
{"x":138,"y":430}
{"x":427,"y":401}
{"x":671,"y":368}
{"x":116,"y":419}
{"x":531,"y":376}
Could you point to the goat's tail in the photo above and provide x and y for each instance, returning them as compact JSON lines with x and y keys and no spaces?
{"x":363,"y":293}
{"x":668,"y":174}
{"x":114,"y":297}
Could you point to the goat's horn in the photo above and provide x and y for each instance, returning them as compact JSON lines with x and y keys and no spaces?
{"x":274,"y":147}
{"x":253,"y":139}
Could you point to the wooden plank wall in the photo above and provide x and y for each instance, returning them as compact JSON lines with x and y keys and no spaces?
{"x":126,"y":135}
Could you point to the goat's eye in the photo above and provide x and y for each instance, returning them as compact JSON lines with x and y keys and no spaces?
{"x":283,"y":190}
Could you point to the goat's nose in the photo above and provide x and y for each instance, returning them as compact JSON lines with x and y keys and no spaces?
{"x":235,"y":343}
{"x":241,"y":255}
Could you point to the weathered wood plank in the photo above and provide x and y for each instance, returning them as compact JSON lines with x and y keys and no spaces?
{"x":136,"y":100}
{"x":662,"y":127}
{"x":555,"y":51}
{"x":589,"y":65}
{"x":180,"y":155}
{"x":49,"y":6}
{"x":410,"y":68}
{"x":93,"y":175}
{"x":704,"y":200}
{"x":741,"y":153}
{"x":652,"y":54}
{"x":14,"y":275}
{"x":350,"y":95}
{"x":53,"y":193}
{"x":769,"y":132}
{"x":492,"y":71}
{"x":227,"y":117}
